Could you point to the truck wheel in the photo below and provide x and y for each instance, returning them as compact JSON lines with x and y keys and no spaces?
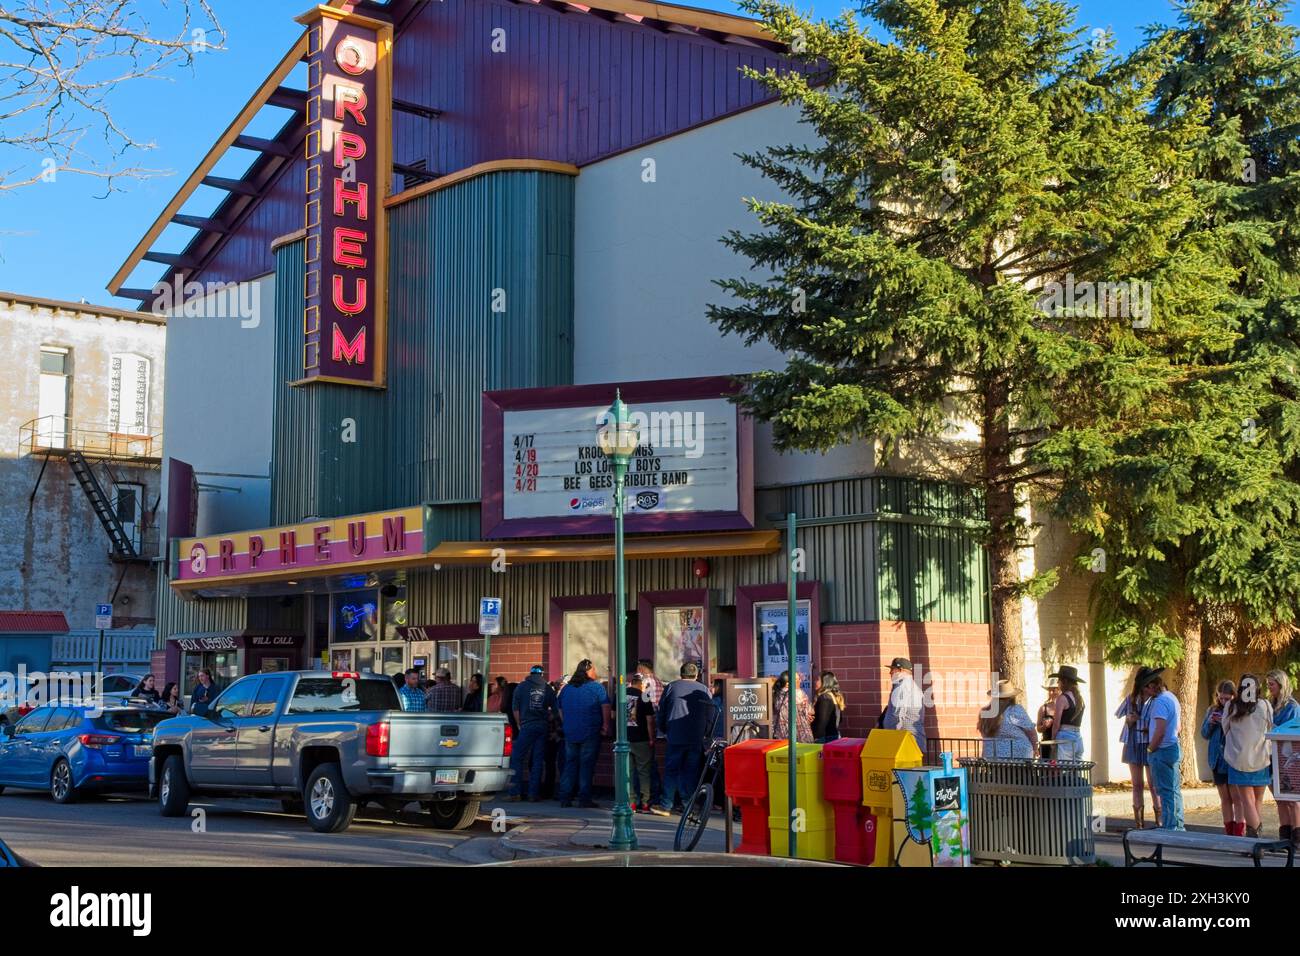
{"x":452,"y":814}
{"x":61,"y":788}
{"x":330,"y":808}
{"x":173,"y":788}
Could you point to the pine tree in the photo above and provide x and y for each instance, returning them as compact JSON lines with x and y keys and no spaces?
{"x":984,"y":191}
{"x":1196,"y":508}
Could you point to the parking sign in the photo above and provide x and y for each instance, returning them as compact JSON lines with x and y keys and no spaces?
{"x":103,"y":617}
{"x":489,"y":616}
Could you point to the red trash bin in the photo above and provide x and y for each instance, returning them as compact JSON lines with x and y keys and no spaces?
{"x":855,"y":835}
{"x":745,"y":766}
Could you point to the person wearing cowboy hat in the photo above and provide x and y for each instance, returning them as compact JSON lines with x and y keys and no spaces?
{"x":1163,"y":751}
{"x":1007,"y":730}
{"x":1044,"y":723}
{"x":1133,"y":736}
{"x":1067,"y":715}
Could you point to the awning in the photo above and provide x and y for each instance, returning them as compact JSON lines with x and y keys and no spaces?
{"x":33,"y":622}
{"x":513,"y":551}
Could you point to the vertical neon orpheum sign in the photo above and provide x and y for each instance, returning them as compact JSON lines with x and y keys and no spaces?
{"x":349,"y":103}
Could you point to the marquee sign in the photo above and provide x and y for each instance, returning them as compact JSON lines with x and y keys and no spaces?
{"x":349,"y":104}
{"x":544,"y":473}
{"x":369,"y":541}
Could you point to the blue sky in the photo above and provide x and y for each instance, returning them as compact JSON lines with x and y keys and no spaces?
{"x":59,"y":240}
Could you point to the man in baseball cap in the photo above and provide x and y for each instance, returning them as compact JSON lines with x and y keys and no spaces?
{"x":906,"y":707}
{"x":533,"y":704}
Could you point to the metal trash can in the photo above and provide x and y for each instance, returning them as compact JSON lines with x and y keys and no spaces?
{"x":1031,"y":811}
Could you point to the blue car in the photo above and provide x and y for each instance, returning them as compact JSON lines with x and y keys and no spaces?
{"x":71,"y":750}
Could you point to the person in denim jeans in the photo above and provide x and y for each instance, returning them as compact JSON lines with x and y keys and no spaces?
{"x":585,"y":713}
{"x":533,"y":703}
{"x":686,"y":713}
{"x":1164,"y":755}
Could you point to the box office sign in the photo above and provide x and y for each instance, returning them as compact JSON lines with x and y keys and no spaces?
{"x":349,"y":91}
{"x":544,"y":472}
{"x":332,"y":544}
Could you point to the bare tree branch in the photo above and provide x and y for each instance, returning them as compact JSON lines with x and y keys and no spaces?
{"x":60,"y":63}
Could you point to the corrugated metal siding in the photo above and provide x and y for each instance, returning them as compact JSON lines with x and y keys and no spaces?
{"x":179,"y":616}
{"x":872,"y":566}
{"x":418,"y":440}
{"x":568,"y":88}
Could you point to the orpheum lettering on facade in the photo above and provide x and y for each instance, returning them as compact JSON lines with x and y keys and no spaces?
{"x":349,"y":104}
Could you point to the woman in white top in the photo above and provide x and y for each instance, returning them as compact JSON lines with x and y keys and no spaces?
{"x":1008,"y":731}
{"x":1245,"y":749}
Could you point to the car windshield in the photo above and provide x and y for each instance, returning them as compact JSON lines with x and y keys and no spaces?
{"x":326,"y":695}
{"x":129,"y":721}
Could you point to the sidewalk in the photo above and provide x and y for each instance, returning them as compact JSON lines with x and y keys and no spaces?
{"x":545,"y":829}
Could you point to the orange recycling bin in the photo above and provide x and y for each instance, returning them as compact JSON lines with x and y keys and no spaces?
{"x":746,"y":775}
{"x":885,"y":751}
{"x":855,"y":830}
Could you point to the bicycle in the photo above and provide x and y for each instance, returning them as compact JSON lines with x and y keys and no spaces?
{"x":695,"y":818}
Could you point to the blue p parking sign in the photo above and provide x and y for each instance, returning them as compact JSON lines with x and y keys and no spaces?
{"x":489,"y":615}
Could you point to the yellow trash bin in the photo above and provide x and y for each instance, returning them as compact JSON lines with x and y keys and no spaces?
{"x":816,"y":840}
{"x":886,"y":750}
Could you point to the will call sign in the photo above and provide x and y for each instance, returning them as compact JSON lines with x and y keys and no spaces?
{"x":348,"y":173}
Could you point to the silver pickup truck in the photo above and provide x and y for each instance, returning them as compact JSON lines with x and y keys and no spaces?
{"x":327,"y":743}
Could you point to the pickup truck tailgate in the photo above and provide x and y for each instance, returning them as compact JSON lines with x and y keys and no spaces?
{"x":421,"y":739}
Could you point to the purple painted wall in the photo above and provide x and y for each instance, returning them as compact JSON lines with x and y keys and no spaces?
{"x":569,"y":87}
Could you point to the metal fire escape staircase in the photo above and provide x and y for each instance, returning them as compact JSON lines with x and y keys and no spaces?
{"x":105,"y":511}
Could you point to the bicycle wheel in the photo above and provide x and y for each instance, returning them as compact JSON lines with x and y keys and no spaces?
{"x":693,"y":822}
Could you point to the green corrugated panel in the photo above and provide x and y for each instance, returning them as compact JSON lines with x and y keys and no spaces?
{"x":419,"y":439}
{"x":201,"y":615}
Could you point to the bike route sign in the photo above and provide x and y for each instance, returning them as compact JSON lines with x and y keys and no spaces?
{"x":749,"y":698}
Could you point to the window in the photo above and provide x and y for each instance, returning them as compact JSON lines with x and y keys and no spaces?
{"x":356,"y":616}
{"x":54,"y":361}
{"x":34,"y":722}
{"x":237,"y":701}
{"x":327,"y":695}
{"x":52,"y":401}
{"x":586,"y":635}
{"x":119,"y":683}
{"x":679,"y":638}
{"x":64,"y":718}
{"x":130,"y":721}
{"x":267,"y":697}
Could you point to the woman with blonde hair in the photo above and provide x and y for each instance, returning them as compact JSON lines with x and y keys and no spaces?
{"x":1133,"y":735}
{"x":1285,"y":710}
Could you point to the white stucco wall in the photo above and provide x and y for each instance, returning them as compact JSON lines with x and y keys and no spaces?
{"x":220,"y":395}
{"x":644,"y":270}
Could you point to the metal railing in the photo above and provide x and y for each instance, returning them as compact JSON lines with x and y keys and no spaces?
{"x":129,"y":647}
{"x":1031,"y":811}
{"x":58,"y":434}
{"x":959,"y":747}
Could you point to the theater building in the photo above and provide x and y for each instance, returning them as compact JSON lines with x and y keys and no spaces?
{"x":390,"y":344}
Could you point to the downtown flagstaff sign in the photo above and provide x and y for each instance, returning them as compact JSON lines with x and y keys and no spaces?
{"x":349,"y":108}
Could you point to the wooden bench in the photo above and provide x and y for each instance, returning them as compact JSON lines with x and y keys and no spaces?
{"x":1186,"y":840}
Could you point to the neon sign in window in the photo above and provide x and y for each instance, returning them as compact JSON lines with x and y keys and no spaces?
{"x":356,"y":616}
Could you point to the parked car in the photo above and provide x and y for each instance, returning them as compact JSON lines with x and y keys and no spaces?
{"x":74,"y":750}
{"x":327,"y":742}
{"x":9,"y":858}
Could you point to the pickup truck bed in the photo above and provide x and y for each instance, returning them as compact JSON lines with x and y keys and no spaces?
{"x":329,"y":743}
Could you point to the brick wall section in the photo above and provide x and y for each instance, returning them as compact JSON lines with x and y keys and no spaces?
{"x":513,"y":654}
{"x":859,"y":653}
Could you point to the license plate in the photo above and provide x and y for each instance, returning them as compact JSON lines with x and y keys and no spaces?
{"x":142,"y":750}
{"x":446,"y":776}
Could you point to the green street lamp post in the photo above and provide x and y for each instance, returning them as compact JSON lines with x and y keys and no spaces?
{"x":618,"y":440}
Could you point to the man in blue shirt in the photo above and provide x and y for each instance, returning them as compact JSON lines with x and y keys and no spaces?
{"x":1164,"y":755}
{"x":686,"y":713}
{"x":410,"y":694}
{"x":584,"y":711}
